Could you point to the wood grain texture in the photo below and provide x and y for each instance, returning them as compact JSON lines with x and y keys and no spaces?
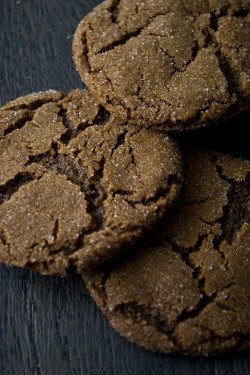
{"x":51,"y":325}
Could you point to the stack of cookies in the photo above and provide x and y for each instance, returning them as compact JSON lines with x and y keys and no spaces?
{"x":97,"y":182}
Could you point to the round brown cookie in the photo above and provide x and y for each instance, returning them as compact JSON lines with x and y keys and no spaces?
{"x":187,"y":290}
{"x":176,"y":64}
{"x":77,"y":184}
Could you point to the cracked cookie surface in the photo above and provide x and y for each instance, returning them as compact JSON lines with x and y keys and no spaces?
{"x":76,"y":184}
{"x":176,"y":64}
{"x":187,"y":289}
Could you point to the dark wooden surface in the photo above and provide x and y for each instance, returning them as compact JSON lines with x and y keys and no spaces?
{"x":50,"y":325}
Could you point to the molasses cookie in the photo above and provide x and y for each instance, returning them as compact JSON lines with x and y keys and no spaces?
{"x":176,"y":64}
{"x":186,"y":290}
{"x":76,"y":184}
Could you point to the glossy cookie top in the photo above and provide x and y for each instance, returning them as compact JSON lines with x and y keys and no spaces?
{"x":187,"y":289}
{"x":77,"y":185}
{"x":175,"y":64}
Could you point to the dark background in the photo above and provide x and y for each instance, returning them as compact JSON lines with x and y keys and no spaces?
{"x":50,"y":325}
